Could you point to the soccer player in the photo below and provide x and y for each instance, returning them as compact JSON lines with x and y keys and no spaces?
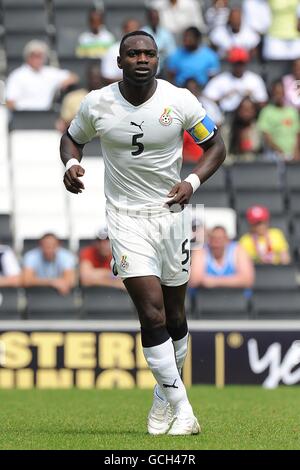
{"x":140,"y":121}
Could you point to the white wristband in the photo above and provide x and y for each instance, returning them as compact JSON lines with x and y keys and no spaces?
{"x":71,"y":162}
{"x":194,"y":180}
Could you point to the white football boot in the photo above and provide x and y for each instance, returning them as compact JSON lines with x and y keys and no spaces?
{"x":184,"y":422}
{"x":160,"y":416}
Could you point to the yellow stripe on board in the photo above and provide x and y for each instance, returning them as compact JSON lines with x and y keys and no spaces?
{"x":220,"y":360}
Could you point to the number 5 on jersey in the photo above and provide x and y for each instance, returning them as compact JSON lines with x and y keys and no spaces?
{"x":136,"y":143}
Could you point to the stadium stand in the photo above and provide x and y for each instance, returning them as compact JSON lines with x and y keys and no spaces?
{"x":10,"y":303}
{"x":46,"y":303}
{"x":224,"y":303}
{"x":107,"y":302}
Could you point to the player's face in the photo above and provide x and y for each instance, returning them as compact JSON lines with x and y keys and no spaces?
{"x":139,"y":60}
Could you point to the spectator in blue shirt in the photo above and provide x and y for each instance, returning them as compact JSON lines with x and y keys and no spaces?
{"x":164,"y":39}
{"x":192,"y":60}
{"x":49,"y":265}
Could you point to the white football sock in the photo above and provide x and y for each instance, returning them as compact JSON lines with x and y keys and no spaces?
{"x":161,"y":361}
{"x":180,"y":348}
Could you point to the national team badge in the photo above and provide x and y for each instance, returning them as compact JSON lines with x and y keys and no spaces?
{"x":165,"y":119}
{"x":124,"y":263}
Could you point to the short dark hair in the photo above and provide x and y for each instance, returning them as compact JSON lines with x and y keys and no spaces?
{"x":135,"y":33}
{"x":195,"y":31}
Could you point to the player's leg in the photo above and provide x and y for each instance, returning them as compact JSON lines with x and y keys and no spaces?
{"x":176,"y":323}
{"x":147,"y":295}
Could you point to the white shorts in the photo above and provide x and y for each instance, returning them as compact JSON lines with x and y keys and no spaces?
{"x":157,"y":246}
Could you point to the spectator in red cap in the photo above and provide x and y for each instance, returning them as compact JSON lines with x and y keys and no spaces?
{"x":236,"y":33}
{"x":95,"y":263}
{"x":230,"y":87}
{"x":264,"y":245}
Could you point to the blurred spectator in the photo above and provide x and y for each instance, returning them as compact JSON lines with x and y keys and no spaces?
{"x":10,"y":272}
{"x":193,"y":60}
{"x":95,"y":263}
{"x":33,"y":85}
{"x":221,"y":263}
{"x":109,"y":68}
{"x":235,"y":34}
{"x":264,"y":244}
{"x":191,"y":151}
{"x":49,"y":265}
{"x":245,"y":138}
{"x":95,"y":43}
{"x":229,"y":88}
{"x":283,"y":39}
{"x":291,"y":85}
{"x":257,"y":15}
{"x":164,"y":38}
{"x":217,"y":14}
{"x":178,"y":15}
{"x":280,"y":126}
{"x":72,"y":100}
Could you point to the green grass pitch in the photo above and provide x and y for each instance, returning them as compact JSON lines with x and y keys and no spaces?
{"x":236,"y":417}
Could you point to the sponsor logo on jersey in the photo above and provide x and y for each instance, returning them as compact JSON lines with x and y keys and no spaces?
{"x":124,"y":263}
{"x":165,"y":119}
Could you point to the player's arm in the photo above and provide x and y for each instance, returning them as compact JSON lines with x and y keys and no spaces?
{"x":213,"y":156}
{"x":80,"y":132}
{"x":71,"y":155}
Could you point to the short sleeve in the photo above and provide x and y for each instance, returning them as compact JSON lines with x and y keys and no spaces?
{"x":10,"y":262}
{"x":13,"y":88}
{"x":31,"y":260}
{"x":82,"y":128}
{"x":264,"y":122}
{"x":197,"y":122}
{"x":67,"y":260}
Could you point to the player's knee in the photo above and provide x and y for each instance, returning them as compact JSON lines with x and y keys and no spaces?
{"x":175,"y":318}
{"x":152,"y":315}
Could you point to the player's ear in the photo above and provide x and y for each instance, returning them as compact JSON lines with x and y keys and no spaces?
{"x":119,"y":62}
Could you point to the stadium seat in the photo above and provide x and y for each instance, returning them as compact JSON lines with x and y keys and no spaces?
{"x":78,"y":66}
{"x":296,"y":236}
{"x":294,"y":202}
{"x":275,"y":304}
{"x":275,"y":277}
{"x":93,"y":148}
{"x":107,"y":303}
{"x":47,"y":303}
{"x":87,"y":210}
{"x":277,"y":221}
{"x":273,"y":200}
{"x":5,"y":228}
{"x":215,"y":183}
{"x":28,"y":18}
{"x":210,"y":198}
{"x":14,"y":45}
{"x":83,"y":242}
{"x":29,"y":120}
{"x":249,"y":176}
{"x":10,"y":303}
{"x":292,"y":176}
{"x":117,"y":12}
{"x":221,"y":303}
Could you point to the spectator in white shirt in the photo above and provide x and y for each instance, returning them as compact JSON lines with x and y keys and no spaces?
{"x":178,"y":15}
{"x":109,"y":68}
{"x":95,"y":43}
{"x":10,"y":272}
{"x":257,"y":15}
{"x":229,"y":88}
{"x":217,"y":14}
{"x":235,"y":34}
{"x":33,"y":85}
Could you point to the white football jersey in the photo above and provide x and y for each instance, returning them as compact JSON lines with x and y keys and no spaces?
{"x":141,"y":145}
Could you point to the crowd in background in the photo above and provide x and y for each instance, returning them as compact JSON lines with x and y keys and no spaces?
{"x":213,"y":53}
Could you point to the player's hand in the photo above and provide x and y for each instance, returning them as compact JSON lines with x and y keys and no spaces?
{"x":180,"y":194}
{"x":72,"y":181}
